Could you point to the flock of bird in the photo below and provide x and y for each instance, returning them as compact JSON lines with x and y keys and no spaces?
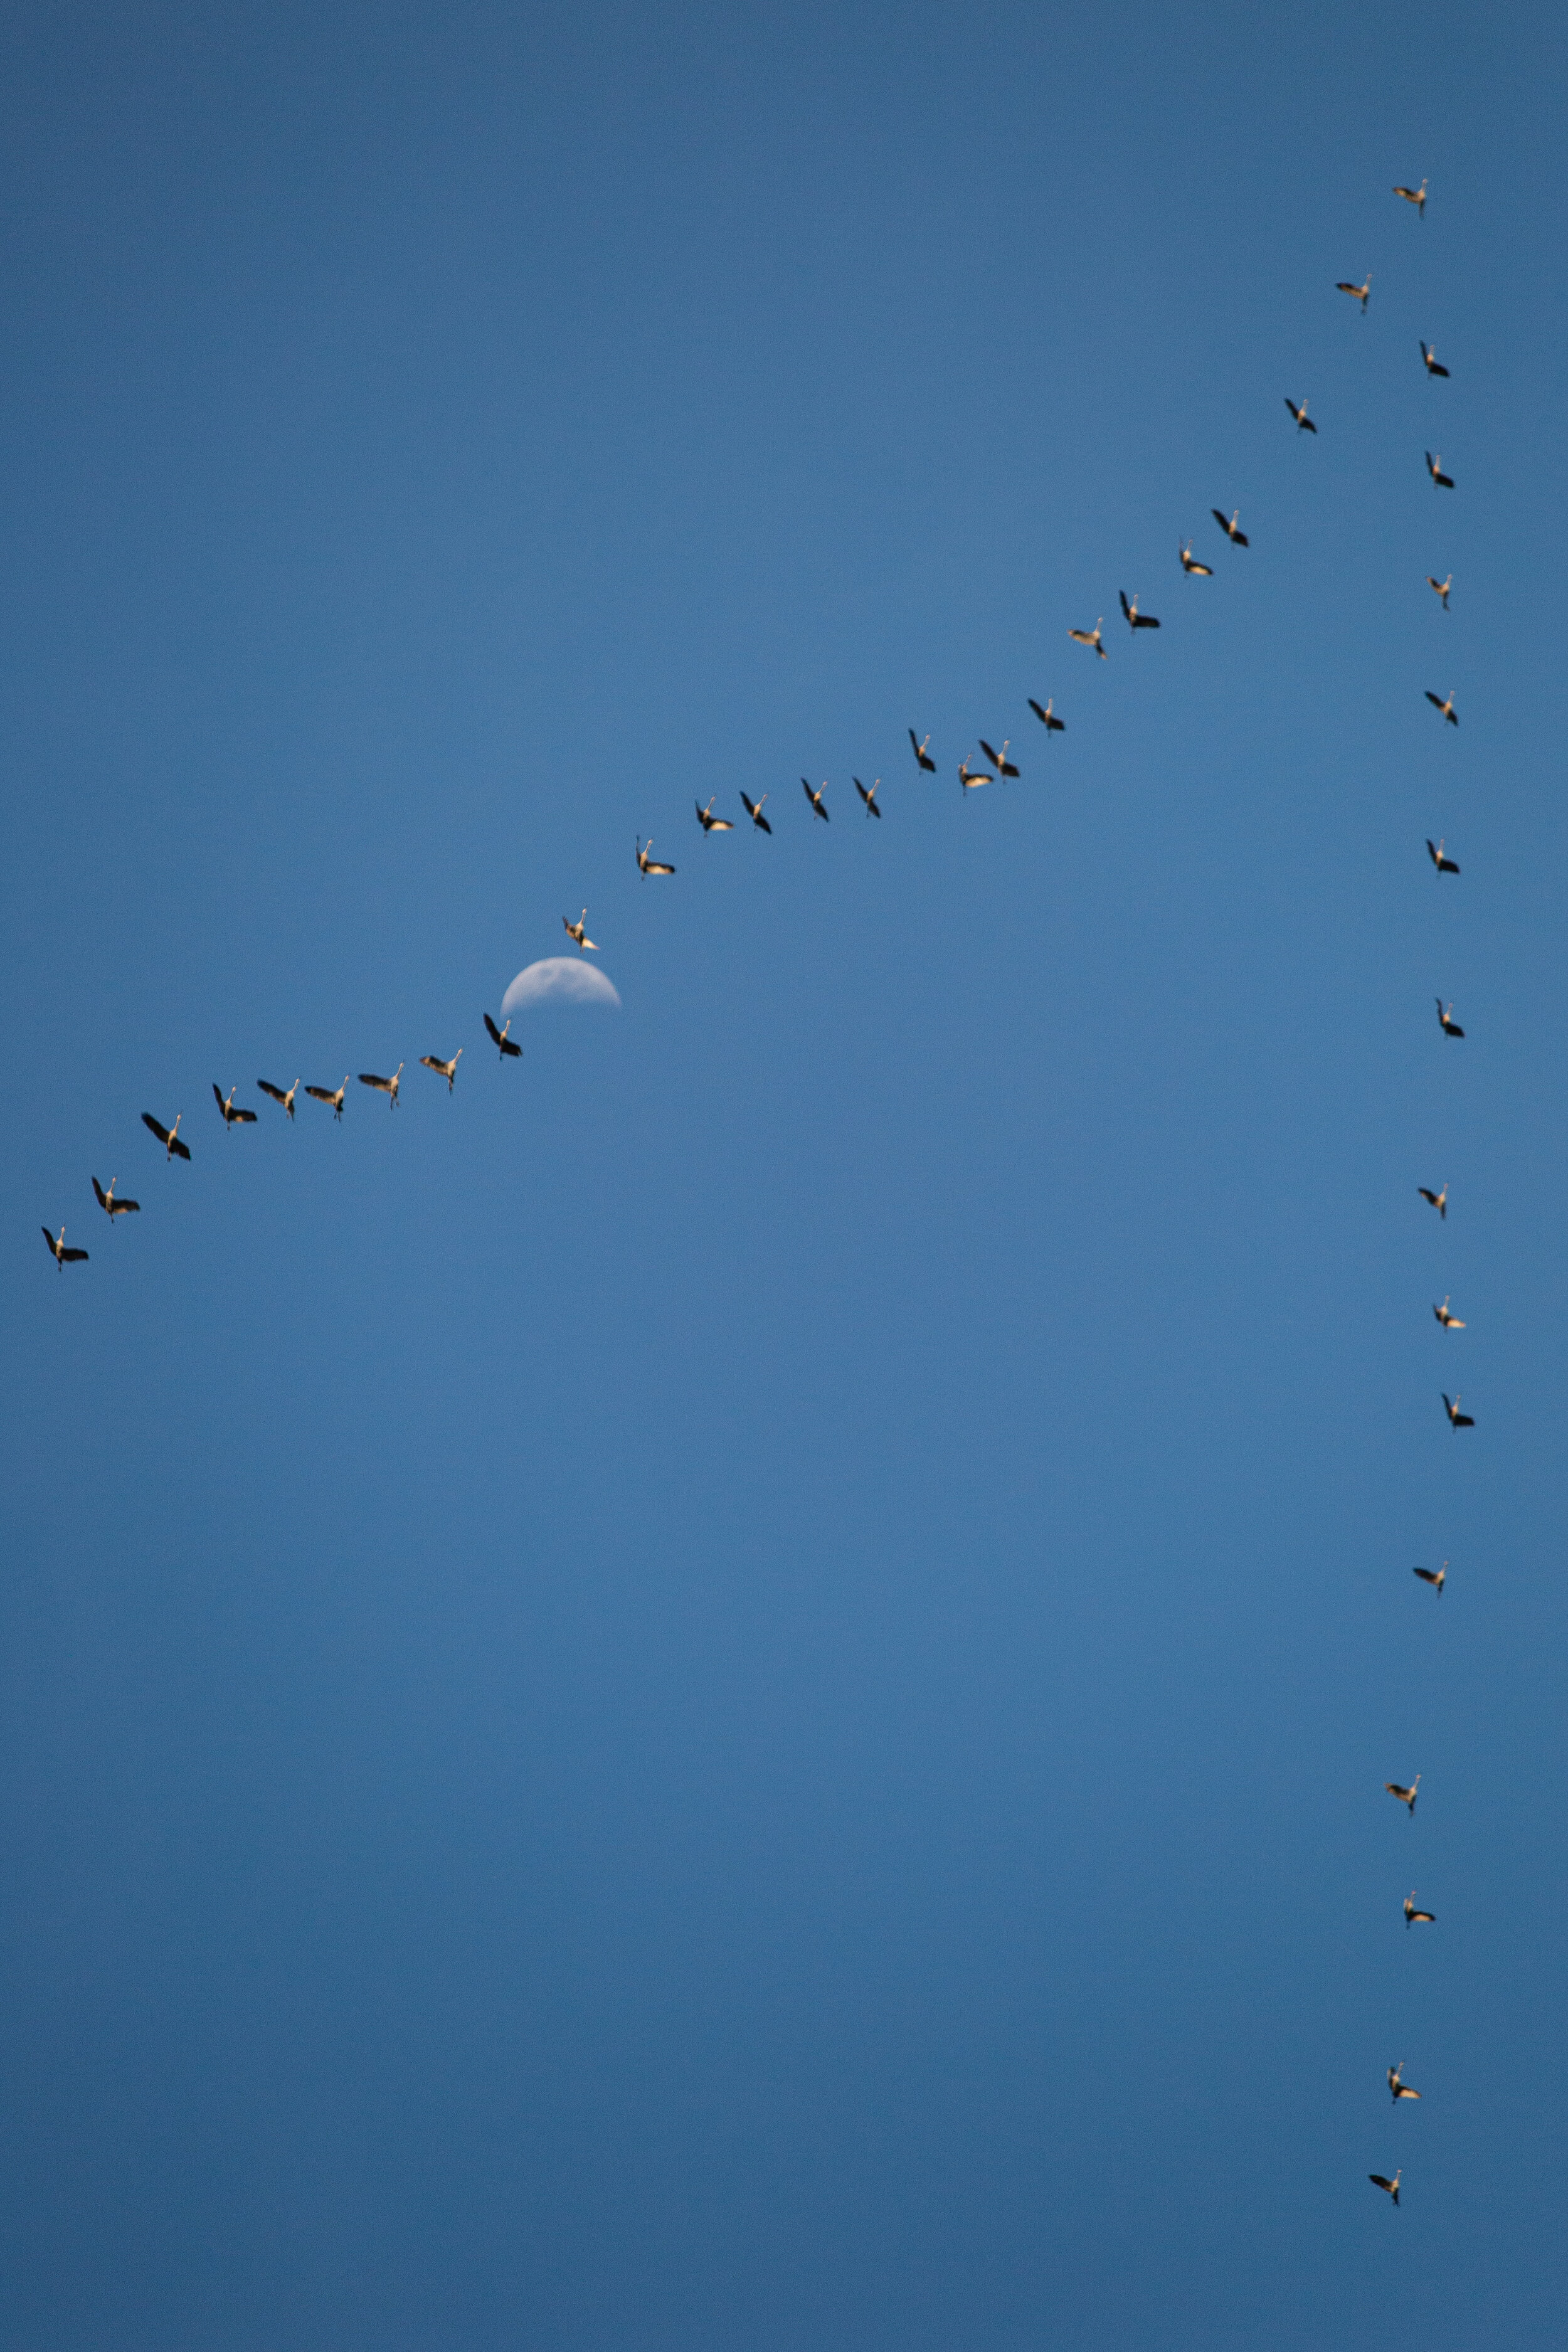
{"x":992,"y":765}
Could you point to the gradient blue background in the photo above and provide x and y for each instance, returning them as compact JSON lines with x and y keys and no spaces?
{"x":733,"y":1688}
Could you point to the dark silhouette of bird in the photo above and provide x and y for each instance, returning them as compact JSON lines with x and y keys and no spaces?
{"x":333,"y":1095}
{"x":1135,"y":619}
{"x":1380,"y":2180}
{"x":1191,"y":565}
{"x":57,"y":1250}
{"x":278,"y":1094}
{"x":1047,"y":718}
{"x":869,"y":797}
{"x":1360,"y":292}
{"x":1450,"y":1027}
{"x":1406,"y":1796}
{"x":819,"y":806}
{"x":232,"y":1113}
{"x":1430,"y":356}
{"x":448,"y":1070}
{"x":1400,"y":2088}
{"x":1303,"y":422}
{"x":502,"y":1039}
{"x":1446,"y":710}
{"x":1414,"y":1917}
{"x":922,"y":754}
{"x":1416,"y":196}
{"x":708,"y":821}
{"x":169,"y":1136}
{"x":579,"y":932}
{"x":387,"y":1086}
{"x":754,"y":811}
{"x":648,"y":863}
{"x":1090,"y":637}
{"x":1439,"y":1199}
{"x":1236,"y":538}
{"x":110,"y":1205}
{"x":999,"y":760}
{"x":1458,"y":1420}
{"x":1444,"y":865}
{"x":1435,"y":468}
{"x":1441,"y":588}
{"x":1436,"y":1577}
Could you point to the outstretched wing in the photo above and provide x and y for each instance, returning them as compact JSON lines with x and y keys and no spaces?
{"x":277,"y":1093}
{"x":73,"y":1256}
{"x":323,"y":1094}
{"x":99,"y":1195}
{"x":508,"y":1047}
{"x":1125,"y":605}
{"x":49,"y":1241}
{"x":160,"y":1132}
{"x":181,"y":1150}
{"x":495,"y":1032}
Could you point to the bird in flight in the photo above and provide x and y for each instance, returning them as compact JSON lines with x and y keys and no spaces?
{"x":1411,"y":1915}
{"x":869,"y":797}
{"x":1400,"y":2088}
{"x":1441,"y":588}
{"x":819,"y":806}
{"x":500,"y":1038}
{"x":922,"y":754}
{"x":232,"y":1113}
{"x":971,"y":778}
{"x":110,"y":1205}
{"x":1444,"y":865}
{"x":169,"y":1136}
{"x":1446,"y":709}
{"x":1436,"y":1577}
{"x":1459,"y":1420}
{"x":754,"y":811}
{"x":1406,"y":1796}
{"x":1430,"y":356}
{"x":1048,"y":718}
{"x":278,"y":1096}
{"x":579,"y":932}
{"x":708,"y":821}
{"x":389,"y":1086}
{"x":1450,"y":1027}
{"x":649,"y":864}
{"x":1303,"y":422}
{"x":448,"y":1070}
{"x":1191,"y":565}
{"x":1134,"y":618}
{"x":999,"y":760}
{"x":330,"y":1095}
{"x":1090,"y":637}
{"x":1416,"y":196}
{"x":1380,"y":2180}
{"x":1360,"y":292}
{"x":1236,"y":538}
{"x":1435,"y":468}
{"x":57,"y":1250}
{"x":1439,"y":1199}
{"x":1450,"y":1322}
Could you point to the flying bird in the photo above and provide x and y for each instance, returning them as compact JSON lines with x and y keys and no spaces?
{"x":1360,"y":292}
{"x":1445,"y":1016}
{"x":1090,"y":637}
{"x":1190,"y":562}
{"x":110,"y":1205}
{"x":448,"y":1070}
{"x":1236,"y":538}
{"x":1412,"y":1916}
{"x":57,"y":1250}
{"x":1450,"y":1322}
{"x":922,"y":754}
{"x":1303,"y":422}
{"x":1445,"y":708}
{"x":579,"y":932}
{"x":1430,"y":356}
{"x":1406,"y":1796}
{"x":1416,"y":196}
{"x":278,"y":1096}
{"x":499,"y":1037}
{"x":1400,"y":2088}
{"x":383,"y":1086}
{"x":1444,"y":865}
{"x":1459,"y":1420}
{"x":1441,"y":587}
{"x":1135,"y":619}
{"x":754,"y":811}
{"x":648,"y":863}
{"x":1048,"y":718}
{"x":971,"y":778}
{"x":708,"y":821}
{"x":1380,"y":2180}
{"x":1436,"y":1577}
{"x":232,"y":1113}
{"x":1435,"y":468}
{"x":1439,"y":1199}
{"x":868,"y":797}
{"x":819,"y":806}
{"x":330,"y":1095}
{"x":999,"y":760}
{"x":169,"y":1136}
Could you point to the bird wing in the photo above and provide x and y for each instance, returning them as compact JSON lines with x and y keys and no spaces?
{"x":50,"y":1239}
{"x":1241,"y":539}
{"x":749,"y":805}
{"x":277,"y":1093}
{"x":1307,"y":424}
{"x":1433,"y":699}
{"x":432,"y":1064}
{"x":994,"y":757}
{"x":495,"y":1032}
{"x":127,"y":1208}
{"x":244,"y":1118}
{"x":369,"y":1078}
{"x":73,"y":1256}
{"x":1125,"y":605}
{"x":761,"y":821}
{"x":1147,"y":621}
{"x":1038,"y":712}
{"x":719,"y":824}
{"x":160,"y":1132}
{"x":181,"y":1150}
{"x":653,"y":866}
{"x":1221,"y":520}
{"x":99,"y":1191}
{"x":508,"y":1047}
{"x":322,"y":1094}
{"x":219,"y":1100}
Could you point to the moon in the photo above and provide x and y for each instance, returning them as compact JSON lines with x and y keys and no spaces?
{"x":558,"y":980}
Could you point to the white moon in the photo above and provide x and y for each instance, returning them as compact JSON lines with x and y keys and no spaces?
{"x":558,"y":980}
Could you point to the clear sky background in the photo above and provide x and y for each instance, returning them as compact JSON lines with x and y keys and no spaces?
{"x":733,"y":1688}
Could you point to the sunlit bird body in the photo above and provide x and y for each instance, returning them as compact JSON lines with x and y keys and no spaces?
{"x":1456,"y":1419}
{"x":1397,"y":2084}
{"x":1450,"y":1322}
{"x":819,"y":806}
{"x":1436,"y":1577}
{"x":1303,"y":422}
{"x":971,"y":778}
{"x":1435,"y":468}
{"x":754,"y":811}
{"x":1444,"y":709}
{"x":869,"y":797}
{"x":169,"y":1136}
{"x":448,"y":1070}
{"x":502,"y":1040}
{"x":999,"y":760}
{"x":1191,"y":565}
{"x":1414,"y":1917}
{"x":333,"y":1095}
{"x":1416,"y":196}
{"x":1360,"y":292}
{"x":110,"y":1205}
{"x":1391,"y":2188}
{"x":278,"y":1094}
{"x":1430,"y":357}
{"x":647,"y":862}
{"x":922,"y":753}
{"x":708,"y":821}
{"x":1047,"y":718}
{"x":1134,"y":619}
{"x":1090,"y":637}
{"x":1444,"y":865}
{"x":233,"y":1116}
{"x":57,"y":1250}
{"x":1406,"y":1796}
{"x":1440,"y":588}
{"x":579,"y":932}
{"x":1439,"y":1199}
{"x":1236,"y":537}
{"x":383,"y":1085}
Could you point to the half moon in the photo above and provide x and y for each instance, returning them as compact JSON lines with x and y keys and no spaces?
{"x":558,"y":980}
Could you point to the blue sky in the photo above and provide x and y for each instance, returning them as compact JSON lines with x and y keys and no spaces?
{"x":733,"y":1686}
